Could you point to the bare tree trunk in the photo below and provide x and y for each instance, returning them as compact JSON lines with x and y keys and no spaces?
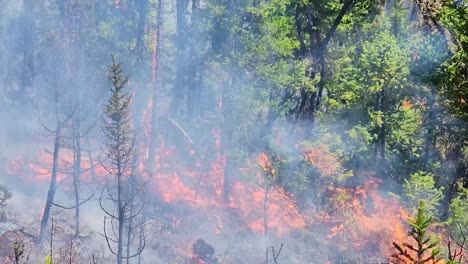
{"x":132,"y":210}
{"x":431,"y":125}
{"x":380,"y":148}
{"x":265,"y":211}
{"x":226,"y":136}
{"x":120,"y":213}
{"x":77,"y":167}
{"x":156,"y":87}
{"x":27,"y":73}
{"x":91,"y":161}
{"x":53,"y":178}
{"x":180,"y":79}
{"x":130,"y":226}
{"x":141,"y":6}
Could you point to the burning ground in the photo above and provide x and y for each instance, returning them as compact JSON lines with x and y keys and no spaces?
{"x":217,"y":131}
{"x":355,"y":219}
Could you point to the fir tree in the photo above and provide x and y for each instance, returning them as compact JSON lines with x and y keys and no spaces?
{"x":124,"y":203}
{"x":424,"y":249}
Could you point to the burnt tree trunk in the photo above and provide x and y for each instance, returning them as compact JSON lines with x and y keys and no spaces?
{"x":130,"y":224}
{"x":77,"y":168}
{"x":265,"y":210}
{"x":120,"y":213}
{"x":91,"y":161}
{"x":53,"y":177}
{"x":227,"y":130}
{"x":156,"y":87}
{"x":180,"y":81}
{"x":27,"y":44}
{"x":141,"y":9}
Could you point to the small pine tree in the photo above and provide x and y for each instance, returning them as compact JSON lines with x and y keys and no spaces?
{"x":121,"y":202}
{"x":425,"y":249}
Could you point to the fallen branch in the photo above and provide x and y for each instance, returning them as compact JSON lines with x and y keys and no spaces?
{"x":181,"y":129}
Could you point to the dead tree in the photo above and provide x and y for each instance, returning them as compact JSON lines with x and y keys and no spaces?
{"x":74,"y":143}
{"x":121,"y":199}
{"x":141,"y":9}
{"x":274,"y":254}
{"x":457,"y":252}
{"x":268,"y":184}
{"x":57,"y":133}
{"x":69,"y":134}
{"x":61,"y":142}
{"x":156,"y":86}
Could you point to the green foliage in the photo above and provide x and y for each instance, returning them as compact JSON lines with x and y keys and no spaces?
{"x":458,"y":220}
{"x":421,"y":186}
{"x":386,"y":80}
{"x":454,"y":15}
{"x":423,"y":249}
{"x":48,"y":259}
{"x":117,"y":125}
{"x":5,"y":195}
{"x":369,"y":83}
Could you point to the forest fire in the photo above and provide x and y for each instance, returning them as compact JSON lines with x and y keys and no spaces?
{"x":212,"y":131}
{"x":370,"y":221}
{"x":40,"y":168}
{"x":358,"y":215}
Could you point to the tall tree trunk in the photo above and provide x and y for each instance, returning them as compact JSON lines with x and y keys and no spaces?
{"x":192,"y":65}
{"x":226,"y":107}
{"x":53,"y":177}
{"x":27,"y":47}
{"x":77,"y":168}
{"x":180,"y":81}
{"x":156,"y":87}
{"x":130,"y":228}
{"x":120,"y":214}
{"x":381,"y":132}
{"x":431,"y":126}
{"x":141,"y":8}
{"x":130,"y":221}
{"x":91,"y":161}
{"x":265,"y":210}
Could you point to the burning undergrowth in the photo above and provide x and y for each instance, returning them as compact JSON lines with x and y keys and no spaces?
{"x":188,"y":203}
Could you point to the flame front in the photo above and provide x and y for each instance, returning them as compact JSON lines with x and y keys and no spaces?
{"x":358,"y":217}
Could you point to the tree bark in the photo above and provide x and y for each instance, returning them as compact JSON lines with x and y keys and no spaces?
{"x":141,"y":7}
{"x":180,"y":81}
{"x":265,"y":210}
{"x":53,"y":178}
{"x":381,"y":132}
{"x":27,"y":47}
{"x":156,"y":87}
{"x":77,"y":168}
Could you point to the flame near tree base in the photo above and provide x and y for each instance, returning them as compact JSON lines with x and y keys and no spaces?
{"x":357,"y":219}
